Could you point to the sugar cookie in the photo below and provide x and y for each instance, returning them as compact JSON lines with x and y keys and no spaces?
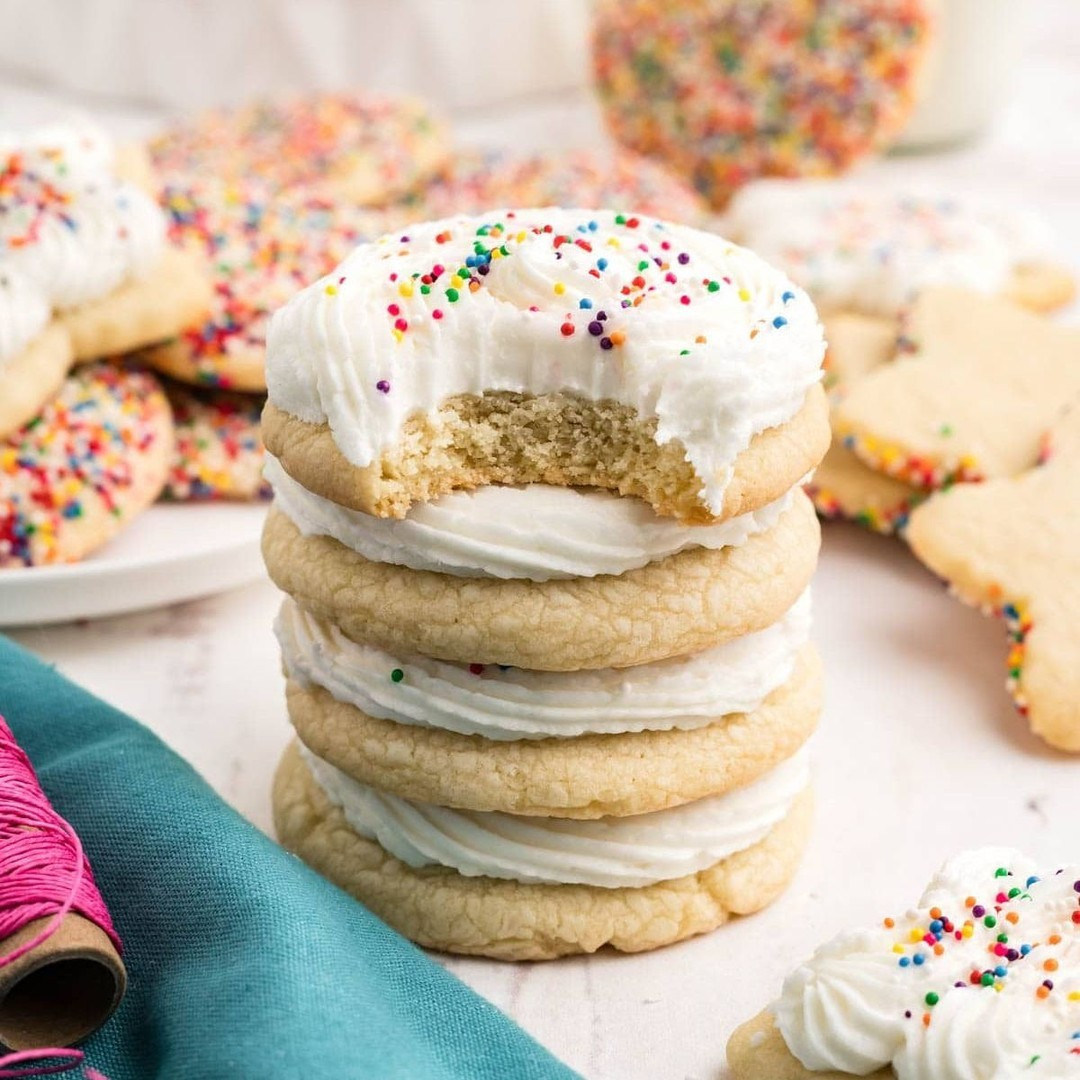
{"x":262,"y":246}
{"x":681,"y":604}
{"x":586,"y":775}
{"x":982,"y":382}
{"x":218,"y":448}
{"x":587,"y":178}
{"x":372,"y":149}
{"x":857,"y":247}
{"x":724,"y":92}
{"x":842,"y":485}
{"x":35,"y":353}
{"x":93,"y":459}
{"x":94,"y":246}
{"x":440,"y":908}
{"x":980,"y":979}
{"x":548,"y":346}
{"x":1008,"y":546}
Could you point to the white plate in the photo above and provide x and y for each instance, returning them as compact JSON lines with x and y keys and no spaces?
{"x":169,"y":554}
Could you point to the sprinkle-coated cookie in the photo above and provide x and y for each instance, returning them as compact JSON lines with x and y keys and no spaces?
{"x":586,"y":178}
{"x":726,"y":91}
{"x":74,"y":476}
{"x":218,"y":447}
{"x":1009,"y":547}
{"x":262,"y":246}
{"x":371,"y":149}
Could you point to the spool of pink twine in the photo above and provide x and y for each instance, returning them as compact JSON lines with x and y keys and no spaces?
{"x":44,"y":874}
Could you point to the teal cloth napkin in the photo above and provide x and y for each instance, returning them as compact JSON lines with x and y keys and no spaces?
{"x":242,"y":962}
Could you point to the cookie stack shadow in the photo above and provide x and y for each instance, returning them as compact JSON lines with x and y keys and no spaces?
{"x":525,"y":768}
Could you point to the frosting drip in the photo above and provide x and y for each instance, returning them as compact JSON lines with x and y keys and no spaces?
{"x":607,"y":853}
{"x":24,"y":313}
{"x":686,"y":328}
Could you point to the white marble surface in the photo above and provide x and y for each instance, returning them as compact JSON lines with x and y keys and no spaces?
{"x":919,"y":753}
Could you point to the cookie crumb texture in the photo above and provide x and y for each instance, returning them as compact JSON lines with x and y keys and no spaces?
{"x":442,"y":909}
{"x":506,"y":438}
{"x":724,"y":91}
{"x":73,"y":477}
{"x":757,"y":1051}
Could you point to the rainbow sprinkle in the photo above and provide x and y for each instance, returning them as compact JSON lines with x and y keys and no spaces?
{"x":219,"y":450}
{"x":725,"y":92}
{"x":83,"y":449}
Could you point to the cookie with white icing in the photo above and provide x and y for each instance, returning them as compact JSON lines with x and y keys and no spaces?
{"x":505,"y":887}
{"x":35,"y":351}
{"x":582,"y":744}
{"x":92,"y":245}
{"x":682,"y":603}
{"x":868,"y":249}
{"x":548,"y":346}
{"x":981,"y":979}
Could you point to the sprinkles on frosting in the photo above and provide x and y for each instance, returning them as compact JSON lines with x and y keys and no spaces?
{"x":436,"y":287}
{"x":79,"y":449}
{"x":1016,"y":932}
{"x":724,"y":92}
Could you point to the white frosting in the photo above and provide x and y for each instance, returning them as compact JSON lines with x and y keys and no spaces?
{"x":512,"y":703}
{"x":860,"y":248}
{"x":24,"y":313}
{"x":67,"y":224}
{"x":535,"y":532}
{"x":608,"y":852}
{"x":859,"y":1004}
{"x":365,"y":350}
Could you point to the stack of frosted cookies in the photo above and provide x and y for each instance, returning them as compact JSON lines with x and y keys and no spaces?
{"x":539,"y":518}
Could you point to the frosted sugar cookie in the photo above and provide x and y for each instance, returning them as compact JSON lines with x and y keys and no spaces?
{"x":218,"y":448}
{"x":93,"y":459}
{"x":371,"y":149}
{"x":692,"y":599}
{"x":550,"y":346}
{"x":636,"y":184}
{"x":1008,"y":546}
{"x":495,"y":885}
{"x":980,"y":980}
{"x":35,"y":352}
{"x":581,"y":744}
{"x":93,"y":245}
{"x":262,"y":246}
{"x":980,"y":383}
{"x":861,"y":248}
{"x":724,"y":92}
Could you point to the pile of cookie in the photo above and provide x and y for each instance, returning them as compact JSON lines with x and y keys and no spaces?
{"x":539,"y":518}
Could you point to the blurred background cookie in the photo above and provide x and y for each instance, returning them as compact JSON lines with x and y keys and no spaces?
{"x":724,"y":92}
{"x":95,"y":457}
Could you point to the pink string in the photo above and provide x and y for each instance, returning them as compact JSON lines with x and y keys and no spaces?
{"x":44,"y":873}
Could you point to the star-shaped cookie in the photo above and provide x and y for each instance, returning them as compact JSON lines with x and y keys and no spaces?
{"x":1010,"y":546}
{"x":980,"y":382}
